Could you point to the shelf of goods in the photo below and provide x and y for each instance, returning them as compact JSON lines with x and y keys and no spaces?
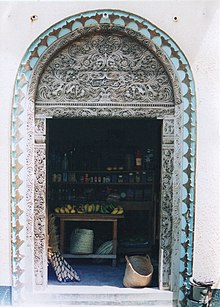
{"x":91,"y":218}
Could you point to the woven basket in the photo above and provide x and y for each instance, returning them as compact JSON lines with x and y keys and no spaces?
{"x":138,"y":272}
{"x":81,"y":241}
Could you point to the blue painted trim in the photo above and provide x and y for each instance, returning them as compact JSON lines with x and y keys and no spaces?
{"x":5,"y":295}
{"x":216,"y":297}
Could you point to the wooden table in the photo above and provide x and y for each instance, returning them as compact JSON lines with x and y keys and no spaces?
{"x":91,"y":218}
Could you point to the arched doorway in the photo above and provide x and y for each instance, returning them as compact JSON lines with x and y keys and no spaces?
{"x":169,"y":98}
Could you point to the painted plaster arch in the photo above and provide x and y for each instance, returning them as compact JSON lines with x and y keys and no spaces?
{"x":24,"y":102}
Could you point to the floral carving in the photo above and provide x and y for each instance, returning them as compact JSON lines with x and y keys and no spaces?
{"x":40,"y":214}
{"x":166,"y":210}
{"x":109,"y":67}
{"x":104,"y":111}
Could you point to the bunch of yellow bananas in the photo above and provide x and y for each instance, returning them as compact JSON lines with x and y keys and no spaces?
{"x":67,"y":209}
{"x":89,"y":208}
{"x":117,"y":210}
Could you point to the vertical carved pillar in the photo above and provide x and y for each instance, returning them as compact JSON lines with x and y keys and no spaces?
{"x":177,"y":188}
{"x":166,"y":199}
{"x":40,"y":242}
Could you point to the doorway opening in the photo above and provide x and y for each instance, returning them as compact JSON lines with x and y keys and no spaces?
{"x":98,"y":170}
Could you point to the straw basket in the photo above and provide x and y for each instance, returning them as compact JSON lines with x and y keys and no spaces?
{"x":81,"y":241}
{"x":138,"y":272}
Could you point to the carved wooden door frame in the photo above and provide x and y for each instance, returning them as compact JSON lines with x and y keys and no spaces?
{"x":29,"y":235}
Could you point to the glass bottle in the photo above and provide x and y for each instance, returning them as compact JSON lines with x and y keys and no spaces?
{"x":71,"y":162}
{"x":138,"y":160}
{"x":65,"y":162}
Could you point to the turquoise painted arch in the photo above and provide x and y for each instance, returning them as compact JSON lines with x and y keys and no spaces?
{"x":183,"y":71}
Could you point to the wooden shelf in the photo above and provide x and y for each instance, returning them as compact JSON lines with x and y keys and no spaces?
{"x":89,"y":256}
{"x":94,"y":218}
{"x":89,"y":217}
{"x":101,"y":183}
{"x":101,"y":171}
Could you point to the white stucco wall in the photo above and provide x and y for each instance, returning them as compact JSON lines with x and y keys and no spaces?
{"x":197,"y":32}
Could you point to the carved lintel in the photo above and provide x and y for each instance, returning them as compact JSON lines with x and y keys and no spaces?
{"x":119,"y":111}
{"x":106,"y":67}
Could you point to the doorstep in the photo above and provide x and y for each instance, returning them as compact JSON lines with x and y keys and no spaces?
{"x":73,"y":295}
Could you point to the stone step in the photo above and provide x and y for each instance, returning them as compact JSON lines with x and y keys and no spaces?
{"x":101,"y":296}
{"x":154,"y":304}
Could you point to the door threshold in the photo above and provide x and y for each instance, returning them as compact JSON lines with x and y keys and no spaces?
{"x":76,"y":289}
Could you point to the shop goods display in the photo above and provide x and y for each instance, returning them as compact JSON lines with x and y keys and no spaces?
{"x":81,"y":241}
{"x":64,"y":272}
{"x":138,"y":272}
{"x":89,"y":208}
{"x":105,"y":248}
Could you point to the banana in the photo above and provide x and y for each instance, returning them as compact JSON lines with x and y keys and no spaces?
{"x":90,"y":209}
{"x":120,"y":210}
{"x":115,"y":211}
{"x":66,"y":210}
{"x":69,"y":206}
{"x":62,"y":210}
{"x":81,"y":209}
{"x":97,"y":208}
{"x":57,"y":210}
{"x":86,"y":208}
{"x":73,"y":211}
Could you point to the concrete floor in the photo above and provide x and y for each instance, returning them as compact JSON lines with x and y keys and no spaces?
{"x":97,"y":275}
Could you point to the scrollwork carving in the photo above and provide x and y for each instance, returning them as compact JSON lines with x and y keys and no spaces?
{"x":69,"y":112}
{"x":109,"y":67}
{"x":168,"y":127}
{"x":166,"y":210}
{"x":40,"y":126}
{"x":40,"y":213}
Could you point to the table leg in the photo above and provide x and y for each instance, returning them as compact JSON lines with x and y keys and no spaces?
{"x":114,"y":242}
